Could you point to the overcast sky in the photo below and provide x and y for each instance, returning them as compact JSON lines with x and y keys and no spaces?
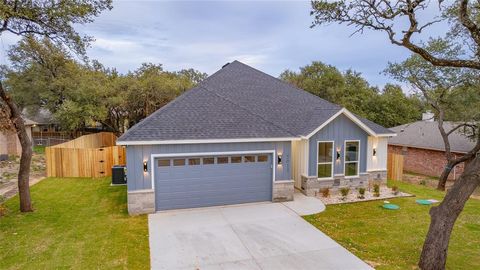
{"x":270,"y":36}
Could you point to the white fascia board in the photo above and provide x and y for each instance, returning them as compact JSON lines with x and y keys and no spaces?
{"x":207,"y":141}
{"x":359,"y":123}
{"x":387,"y":135}
{"x":354,"y":119}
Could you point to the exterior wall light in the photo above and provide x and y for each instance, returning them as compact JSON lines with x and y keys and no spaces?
{"x":338,"y":153}
{"x":374,"y":152}
{"x":279,"y":159}
{"x":145,"y":166}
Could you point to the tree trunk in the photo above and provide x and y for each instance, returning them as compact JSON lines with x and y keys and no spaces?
{"x":26,"y":158}
{"x":442,"y":181}
{"x":443,"y":217}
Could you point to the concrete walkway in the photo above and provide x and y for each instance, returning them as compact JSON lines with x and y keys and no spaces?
{"x":9,"y":190}
{"x":250,"y":236}
{"x":303,"y":205}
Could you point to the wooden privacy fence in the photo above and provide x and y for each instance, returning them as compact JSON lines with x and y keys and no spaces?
{"x":395,"y":166}
{"x":87,"y":156}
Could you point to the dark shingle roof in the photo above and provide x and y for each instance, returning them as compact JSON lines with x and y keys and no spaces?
{"x":425,"y":134}
{"x":238,"y":101}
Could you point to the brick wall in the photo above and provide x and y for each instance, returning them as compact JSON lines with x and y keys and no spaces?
{"x":424,"y":161}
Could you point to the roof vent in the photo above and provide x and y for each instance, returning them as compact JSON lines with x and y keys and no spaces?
{"x":428,"y":116}
{"x":226,"y":64}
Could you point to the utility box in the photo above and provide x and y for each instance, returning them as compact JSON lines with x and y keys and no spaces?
{"x":119,"y":175}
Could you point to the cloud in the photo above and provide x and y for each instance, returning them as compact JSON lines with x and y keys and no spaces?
{"x":269,"y":35}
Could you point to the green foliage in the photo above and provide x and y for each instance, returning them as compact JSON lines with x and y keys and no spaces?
{"x":52,"y":19}
{"x":389,"y":107}
{"x":344,"y":191}
{"x":376,"y":190}
{"x":361,"y":193}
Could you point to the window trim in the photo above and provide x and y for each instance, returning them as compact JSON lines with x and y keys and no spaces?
{"x":203,"y":161}
{"x":345,"y":157}
{"x":333,"y":160}
{"x":155,"y":156}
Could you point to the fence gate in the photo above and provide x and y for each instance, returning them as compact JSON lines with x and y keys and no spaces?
{"x":395,"y":166}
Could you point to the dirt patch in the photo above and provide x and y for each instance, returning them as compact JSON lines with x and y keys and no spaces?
{"x":9,"y":173}
{"x":423,"y":180}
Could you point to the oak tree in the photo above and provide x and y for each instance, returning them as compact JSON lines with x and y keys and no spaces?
{"x":403,"y":24}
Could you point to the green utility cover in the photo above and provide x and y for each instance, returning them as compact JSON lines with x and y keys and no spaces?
{"x":391,"y":206}
{"x":423,"y":202}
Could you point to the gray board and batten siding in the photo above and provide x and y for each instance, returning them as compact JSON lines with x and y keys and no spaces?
{"x":339,"y":130}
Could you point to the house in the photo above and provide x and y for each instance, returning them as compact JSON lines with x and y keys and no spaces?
{"x":9,"y":143}
{"x":44,"y":119}
{"x":423,"y":148}
{"x":244,"y":136}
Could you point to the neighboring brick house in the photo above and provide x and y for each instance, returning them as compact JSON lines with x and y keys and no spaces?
{"x":423,"y":148}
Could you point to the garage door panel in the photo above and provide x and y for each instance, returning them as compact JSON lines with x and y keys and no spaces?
{"x":212,"y":200}
{"x":212,"y":184}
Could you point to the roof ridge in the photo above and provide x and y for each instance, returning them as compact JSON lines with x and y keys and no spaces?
{"x":248,"y":111}
{"x":290,"y":85}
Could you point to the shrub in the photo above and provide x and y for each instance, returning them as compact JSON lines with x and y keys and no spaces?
{"x":376,"y":190}
{"x":325,"y":192}
{"x":361,"y":193}
{"x":395,"y":190}
{"x":423,"y":182}
{"x":344,"y":191}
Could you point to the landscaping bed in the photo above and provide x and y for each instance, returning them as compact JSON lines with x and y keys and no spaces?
{"x":389,"y":239}
{"x":355,"y":196}
{"x":77,"y":224}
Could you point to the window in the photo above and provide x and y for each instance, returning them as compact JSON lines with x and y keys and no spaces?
{"x":163,"y":162}
{"x":325,"y":160}
{"x":194,"y":161}
{"x":222,"y":160}
{"x":262,"y":158}
{"x":236,"y":159}
{"x":179,"y":162}
{"x":208,"y":160}
{"x":352,"y":149}
{"x":249,"y":158}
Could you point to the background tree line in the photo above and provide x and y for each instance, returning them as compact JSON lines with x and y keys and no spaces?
{"x":81,"y":93}
{"x":389,"y":106}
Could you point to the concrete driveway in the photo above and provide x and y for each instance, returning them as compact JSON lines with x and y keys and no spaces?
{"x":250,"y":236}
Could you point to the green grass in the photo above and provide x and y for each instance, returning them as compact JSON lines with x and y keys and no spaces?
{"x":393,"y":239}
{"x":77,"y":224}
{"x":39,"y":149}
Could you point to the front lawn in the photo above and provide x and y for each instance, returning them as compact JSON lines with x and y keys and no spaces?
{"x":77,"y":224}
{"x":393,"y":239}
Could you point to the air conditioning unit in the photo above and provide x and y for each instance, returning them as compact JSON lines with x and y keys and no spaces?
{"x":119,"y":175}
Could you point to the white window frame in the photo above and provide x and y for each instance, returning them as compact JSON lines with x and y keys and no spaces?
{"x":323,"y":163}
{"x":345,"y":158}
